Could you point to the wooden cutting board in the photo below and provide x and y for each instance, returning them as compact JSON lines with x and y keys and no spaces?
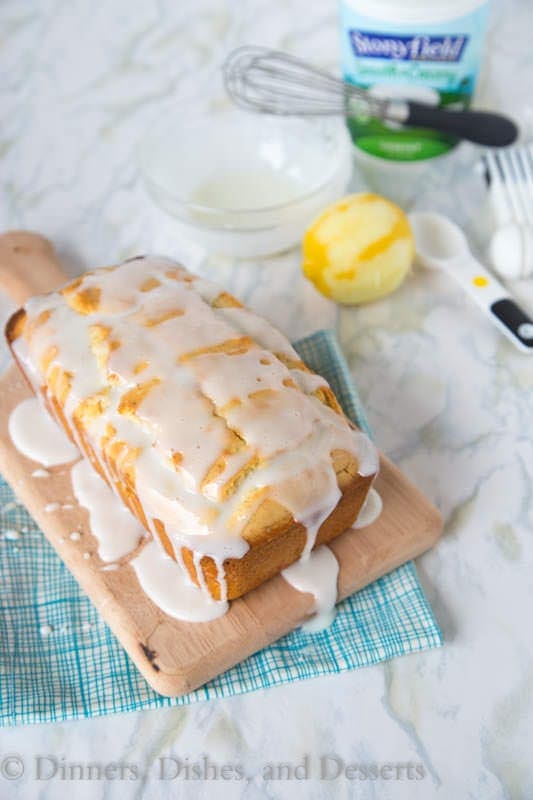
{"x":177,"y":657}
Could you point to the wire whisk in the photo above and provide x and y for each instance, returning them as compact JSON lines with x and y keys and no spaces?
{"x":274,"y":82}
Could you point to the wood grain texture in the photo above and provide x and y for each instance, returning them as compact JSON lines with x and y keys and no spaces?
{"x":28,"y":265}
{"x":176,"y":657}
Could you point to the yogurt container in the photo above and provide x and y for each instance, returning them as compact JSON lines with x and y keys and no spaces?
{"x":425,"y":50}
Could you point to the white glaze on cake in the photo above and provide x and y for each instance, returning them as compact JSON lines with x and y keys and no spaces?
{"x":37,"y":436}
{"x":40,"y":473}
{"x":316,"y":575}
{"x":169,"y":587}
{"x":118,"y":532}
{"x":370,"y":510}
{"x":197,"y":406}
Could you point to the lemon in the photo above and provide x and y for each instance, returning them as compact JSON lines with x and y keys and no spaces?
{"x":360,"y":248}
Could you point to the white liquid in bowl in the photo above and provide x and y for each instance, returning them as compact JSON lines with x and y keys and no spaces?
{"x":250,"y":189}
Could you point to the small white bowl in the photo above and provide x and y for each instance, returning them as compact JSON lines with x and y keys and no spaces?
{"x":245,"y":185}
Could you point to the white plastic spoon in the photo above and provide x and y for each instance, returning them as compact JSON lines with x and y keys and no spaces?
{"x":440,"y":244}
{"x":511,"y":251}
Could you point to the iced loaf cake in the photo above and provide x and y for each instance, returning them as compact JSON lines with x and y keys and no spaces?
{"x":200,"y":415}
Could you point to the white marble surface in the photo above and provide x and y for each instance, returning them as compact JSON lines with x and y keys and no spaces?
{"x":448,"y":399}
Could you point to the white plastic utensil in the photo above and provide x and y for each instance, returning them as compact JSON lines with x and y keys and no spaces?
{"x":511,"y":251}
{"x":509,"y":174}
{"x":440,"y":244}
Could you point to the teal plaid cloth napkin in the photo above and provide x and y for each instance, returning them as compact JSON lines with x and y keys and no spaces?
{"x":59,"y":660}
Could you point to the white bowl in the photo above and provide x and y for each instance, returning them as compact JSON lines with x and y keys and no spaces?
{"x":245,"y":185}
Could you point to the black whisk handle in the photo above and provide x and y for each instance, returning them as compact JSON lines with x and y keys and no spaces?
{"x":481,"y":127}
